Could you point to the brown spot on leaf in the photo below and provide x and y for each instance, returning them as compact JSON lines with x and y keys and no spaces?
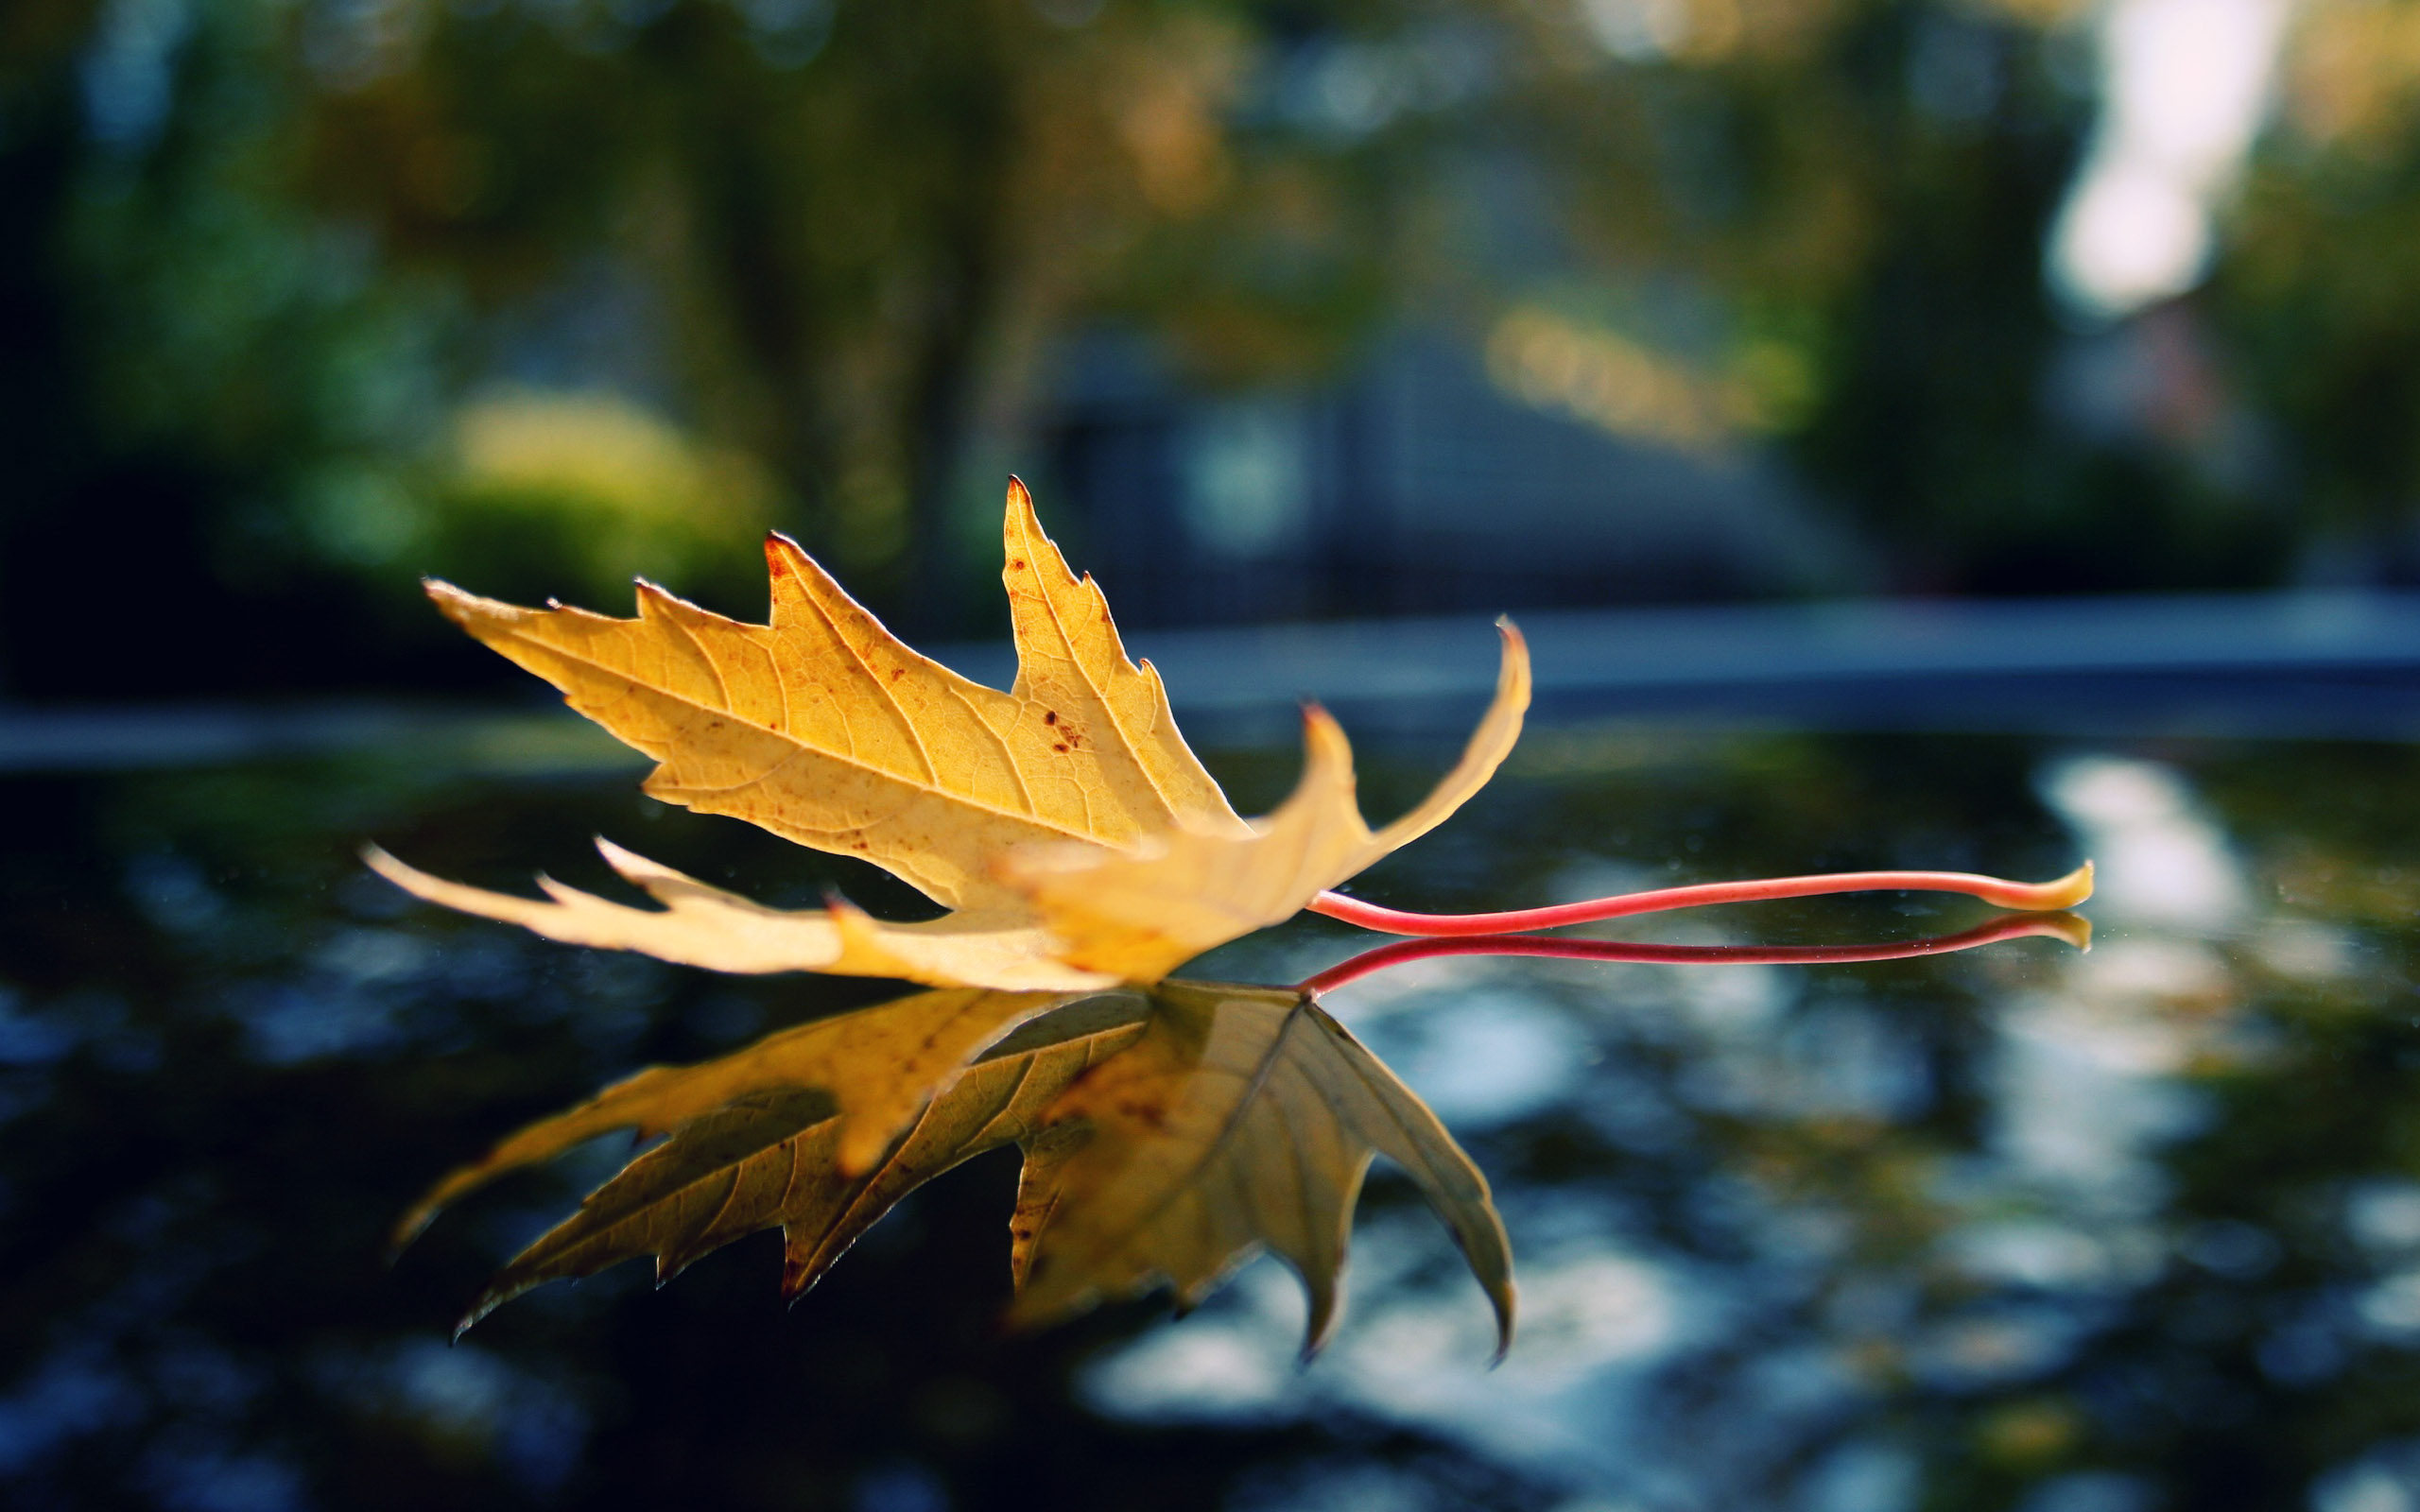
{"x":1050,"y":716}
{"x":1057,"y":745}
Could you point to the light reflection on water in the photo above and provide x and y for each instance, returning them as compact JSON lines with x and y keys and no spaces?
{"x":2020,"y":1228}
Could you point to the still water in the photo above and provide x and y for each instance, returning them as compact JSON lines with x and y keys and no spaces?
{"x":2019,"y":1227}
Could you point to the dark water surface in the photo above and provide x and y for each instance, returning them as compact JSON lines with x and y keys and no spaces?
{"x":2131,"y":1230}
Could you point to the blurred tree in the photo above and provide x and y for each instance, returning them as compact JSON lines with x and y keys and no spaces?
{"x":2321,"y":300}
{"x":318,"y":295}
{"x":289,"y":241}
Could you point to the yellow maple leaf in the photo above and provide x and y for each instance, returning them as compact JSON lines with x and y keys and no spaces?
{"x":700,"y":925}
{"x":877,"y":1067}
{"x":1075,"y":839}
{"x":1168,"y":1137}
{"x":817,"y":1130}
{"x":1242,"y":1119}
{"x":1138,"y":918}
{"x":1169,"y":1130}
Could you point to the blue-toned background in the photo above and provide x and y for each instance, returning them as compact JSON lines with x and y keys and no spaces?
{"x":1961,"y":434}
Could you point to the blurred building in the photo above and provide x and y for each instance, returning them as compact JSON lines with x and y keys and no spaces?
{"x":1415,"y":486}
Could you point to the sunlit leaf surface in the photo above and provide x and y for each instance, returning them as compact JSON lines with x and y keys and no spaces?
{"x":1073,"y":835}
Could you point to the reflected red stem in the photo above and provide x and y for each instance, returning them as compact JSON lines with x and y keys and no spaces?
{"x":2066,"y":892}
{"x":2067,"y":927}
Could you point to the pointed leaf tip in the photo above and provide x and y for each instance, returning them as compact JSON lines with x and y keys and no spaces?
{"x":1022,"y":512}
{"x":1322,"y":737}
{"x":456,"y":603}
{"x":479,"y":1310}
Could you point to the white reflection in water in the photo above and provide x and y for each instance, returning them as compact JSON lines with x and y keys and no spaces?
{"x":1220,"y":1368}
{"x":2391,"y":1308}
{"x":1484,"y":1058}
{"x":2050,"y":1256}
{"x":2088,"y":1069}
{"x":1593,"y":1318}
{"x":2160,"y":859}
{"x":2384,"y":1216}
{"x":2085,"y":1098}
{"x":2307,"y":950}
{"x":2385,"y":1480}
{"x":2136,"y":984}
{"x":1734,"y":1002}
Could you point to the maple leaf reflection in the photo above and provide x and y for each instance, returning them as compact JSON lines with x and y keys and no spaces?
{"x":1168,"y":1134}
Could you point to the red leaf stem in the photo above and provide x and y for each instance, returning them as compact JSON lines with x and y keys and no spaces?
{"x":2068,"y":927}
{"x":2031,"y":897}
